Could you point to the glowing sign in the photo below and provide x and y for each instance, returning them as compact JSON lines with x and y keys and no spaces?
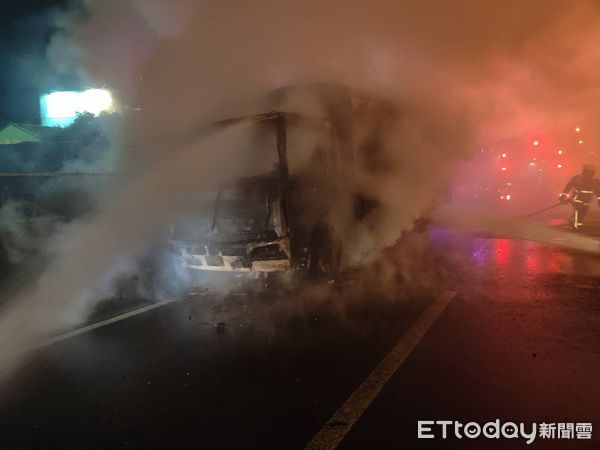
{"x":62,"y":108}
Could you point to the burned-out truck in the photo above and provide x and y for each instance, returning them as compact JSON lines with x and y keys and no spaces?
{"x":295,"y":216}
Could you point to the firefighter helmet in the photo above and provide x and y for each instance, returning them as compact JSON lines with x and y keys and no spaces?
{"x":589,"y":170}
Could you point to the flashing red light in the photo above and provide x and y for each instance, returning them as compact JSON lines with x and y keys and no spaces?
{"x":560,"y":152}
{"x":504,"y":155}
{"x":559,"y":166}
{"x":503,"y":168}
{"x":536,"y":143}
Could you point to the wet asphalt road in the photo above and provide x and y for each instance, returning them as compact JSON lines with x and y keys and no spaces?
{"x":520,"y":342}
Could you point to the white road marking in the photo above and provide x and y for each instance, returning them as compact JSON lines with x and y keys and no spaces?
{"x":338,"y":426}
{"x":95,"y":326}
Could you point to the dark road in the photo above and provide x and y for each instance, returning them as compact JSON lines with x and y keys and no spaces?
{"x":520,"y":342}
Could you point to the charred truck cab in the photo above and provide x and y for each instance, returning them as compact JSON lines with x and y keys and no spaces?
{"x":290,"y":216}
{"x":277,"y":221}
{"x":247,"y":229}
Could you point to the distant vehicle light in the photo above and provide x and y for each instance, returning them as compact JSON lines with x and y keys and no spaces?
{"x":560,"y":152}
{"x":508,"y":197}
{"x":536,"y":143}
{"x":580,"y":141}
{"x":503,"y":168}
{"x":577,"y":130}
{"x":559,"y":166}
{"x":504,"y":155}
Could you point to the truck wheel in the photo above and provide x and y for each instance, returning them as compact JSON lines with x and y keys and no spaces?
{"x":325,"y":253}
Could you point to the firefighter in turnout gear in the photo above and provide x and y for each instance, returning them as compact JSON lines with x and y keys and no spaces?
{"x":581,"y":190}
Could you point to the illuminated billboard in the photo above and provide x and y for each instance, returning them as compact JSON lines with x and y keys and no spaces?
{"x":61,"y":108}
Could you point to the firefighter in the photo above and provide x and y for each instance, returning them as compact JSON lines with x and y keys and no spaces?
{"x":581,"y":190}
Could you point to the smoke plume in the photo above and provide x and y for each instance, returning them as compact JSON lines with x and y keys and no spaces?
{"x":461,"y":75}
{"x":87,"y":251}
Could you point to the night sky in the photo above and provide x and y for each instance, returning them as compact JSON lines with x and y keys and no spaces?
{"x":24,"y":33}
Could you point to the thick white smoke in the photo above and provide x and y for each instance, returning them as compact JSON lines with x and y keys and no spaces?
{"x":462,"y":74}
{"x":87,"y":251}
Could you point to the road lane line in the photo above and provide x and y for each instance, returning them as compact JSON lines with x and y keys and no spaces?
{"x":338,"y":426}
{"x":94,"y":326}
